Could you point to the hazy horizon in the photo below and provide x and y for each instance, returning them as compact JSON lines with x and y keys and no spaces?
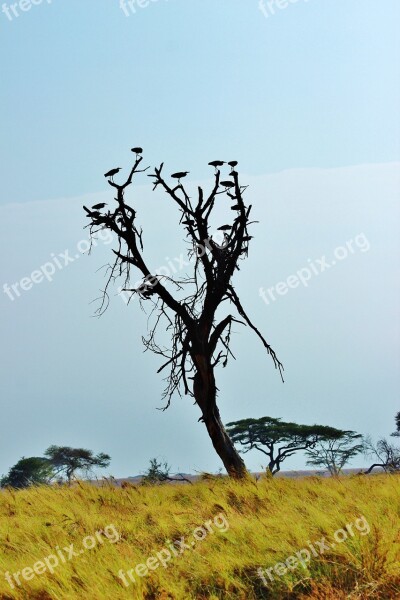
{"x":305,"y":96}
{"x":59,"y":369}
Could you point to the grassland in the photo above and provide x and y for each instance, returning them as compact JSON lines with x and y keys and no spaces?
{"x":268,"y":521}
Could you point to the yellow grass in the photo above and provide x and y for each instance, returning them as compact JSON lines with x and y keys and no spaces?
{"x":268,"y":522}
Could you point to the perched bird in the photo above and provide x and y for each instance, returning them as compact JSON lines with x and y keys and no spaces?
{"x":233,"y":164}
{"x":225,"y":227}
{"x":137,"y":150}
{"x":99,"y":206}
{"x":179,"y":175}
{"x":112,"y":172}
{"x":227,"y":184}
{"x":236,"y":207}
{"x":216,"y":163}
{"x":91,"y":213}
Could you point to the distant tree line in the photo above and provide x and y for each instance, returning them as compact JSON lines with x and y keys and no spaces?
{"x":324,"y":447}
{"x":59,"y":463}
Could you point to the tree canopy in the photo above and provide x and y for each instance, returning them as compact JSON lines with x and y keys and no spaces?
{"x":277,"y":439}
{"x":68,"y":460}
{"x":34,"y":470}
{"x":333,"y":453}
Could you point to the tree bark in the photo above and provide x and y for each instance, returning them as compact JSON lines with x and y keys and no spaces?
{"x":204,"y":390}
{"x":224,"y":447}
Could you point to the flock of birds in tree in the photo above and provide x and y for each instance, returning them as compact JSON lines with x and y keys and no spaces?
{"x":180,"y":174}
{"x":228,"y":185}
{"x":228,"y":230}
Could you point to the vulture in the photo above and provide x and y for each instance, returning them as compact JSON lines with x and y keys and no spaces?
{"x":112,"y":172}
{"x":91,"y":213}
{"x":216,"y":163}
{"x":99,"y":206}
{"x":137,"y":150}
{"x":179,"y":175}
{"x":228,"y":184}
{"x":233,"y":163}
{"x":225,"y":228}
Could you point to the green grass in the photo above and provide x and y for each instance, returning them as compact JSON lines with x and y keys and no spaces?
{"x":268,"y":522}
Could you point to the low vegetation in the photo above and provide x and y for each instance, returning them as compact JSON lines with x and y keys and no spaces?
{"x":268,"y":520}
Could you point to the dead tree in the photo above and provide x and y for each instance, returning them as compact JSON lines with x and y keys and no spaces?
{"x":387,"y":455}
{"x":199,"y":341}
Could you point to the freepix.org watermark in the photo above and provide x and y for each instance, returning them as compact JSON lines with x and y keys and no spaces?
{"x":175,"y":265}
{"x":129,"y":7}
{"x":270,"y":8}
{"x":303,"y":556}
{"x":314,"y":268}
{"x":62,"y":555}
{"x":174,"y":549}
{"x":58,"y":262}
{"x":14,"y":10}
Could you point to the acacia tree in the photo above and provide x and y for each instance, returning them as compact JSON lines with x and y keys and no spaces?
{"x":277,"y":439}
{"x":335,"y":452}
{"x":200,"y":341}
{"x":69,"y":460}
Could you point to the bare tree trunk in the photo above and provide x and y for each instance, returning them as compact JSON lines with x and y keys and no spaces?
{"x":205,"y":394}
{"x":224,"y":447}
{"x":373,"y":467}
{"x":274,"y":467}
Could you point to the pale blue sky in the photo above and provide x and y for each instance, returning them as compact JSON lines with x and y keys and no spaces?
{"x":314,"y":85}
{"x":300,"y":99}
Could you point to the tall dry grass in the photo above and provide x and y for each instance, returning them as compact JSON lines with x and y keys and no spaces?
{"x":268,"y":521}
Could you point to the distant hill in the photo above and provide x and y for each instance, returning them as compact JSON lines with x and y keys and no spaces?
{"x":300,"y":474}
